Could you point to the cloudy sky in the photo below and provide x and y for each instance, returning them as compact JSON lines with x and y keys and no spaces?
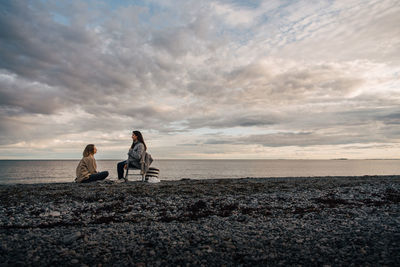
{"x":200,"y":79}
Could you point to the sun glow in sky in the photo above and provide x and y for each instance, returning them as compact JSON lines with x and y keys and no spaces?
{"x":200,"y":79}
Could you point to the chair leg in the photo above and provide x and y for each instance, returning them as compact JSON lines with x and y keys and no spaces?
{"x":126,"y":173}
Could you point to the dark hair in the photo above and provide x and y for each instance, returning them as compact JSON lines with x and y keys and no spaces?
{"x":140,"y":139}
{"x":89,"y":149}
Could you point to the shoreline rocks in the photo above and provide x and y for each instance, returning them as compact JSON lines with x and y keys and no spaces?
{"x":250,"y":221}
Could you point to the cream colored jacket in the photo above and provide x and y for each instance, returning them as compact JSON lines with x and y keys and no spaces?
{"x":86,"y":167}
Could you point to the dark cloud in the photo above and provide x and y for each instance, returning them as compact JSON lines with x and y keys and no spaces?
{"x":303,"y":139}
{"x":29,"y":97}
{"x":236,"y":119}
{"x":392,"y":118}
{"x":176,"y":42}
{"x":217,"y":142}
{"x":69,"y":57}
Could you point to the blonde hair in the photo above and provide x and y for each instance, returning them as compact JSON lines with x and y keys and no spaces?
{"x":89,"y":150}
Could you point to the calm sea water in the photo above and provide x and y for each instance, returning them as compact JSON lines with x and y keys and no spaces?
{"x":56,"y":171}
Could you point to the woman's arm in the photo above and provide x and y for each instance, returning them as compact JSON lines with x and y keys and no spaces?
{"x":136,"y":154}
{"x":91,"y":164}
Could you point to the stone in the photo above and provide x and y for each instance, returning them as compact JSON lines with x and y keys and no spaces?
{"x":72,"y":238}
{"x":54,"y":213}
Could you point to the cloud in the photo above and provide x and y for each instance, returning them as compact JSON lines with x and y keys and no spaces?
{"x":233,"y":14}
{"x":304,"y":139}
{"x":327,"y":137}
{"x":28,"y":96}
{"x":277,"y":74}
{"x":347,"y":31}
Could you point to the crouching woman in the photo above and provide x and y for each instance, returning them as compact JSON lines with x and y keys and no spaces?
{"x":86,"y":171}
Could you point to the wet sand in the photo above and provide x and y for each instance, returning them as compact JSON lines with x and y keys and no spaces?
{"x":332,"y":221}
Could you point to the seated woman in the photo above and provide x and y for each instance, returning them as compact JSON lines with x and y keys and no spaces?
{"x":86,"y":171}
{"x":137,"y":150}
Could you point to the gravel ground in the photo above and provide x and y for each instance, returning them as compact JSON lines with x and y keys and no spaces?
{"x":313,"y":221}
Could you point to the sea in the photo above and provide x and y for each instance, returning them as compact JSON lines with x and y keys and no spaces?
{"x":63,"y":171}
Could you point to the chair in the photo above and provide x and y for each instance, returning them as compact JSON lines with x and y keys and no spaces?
{"x":151,"y":173}
{"x":135,"y":172}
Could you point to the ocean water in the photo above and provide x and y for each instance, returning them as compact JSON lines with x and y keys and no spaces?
{"x":60,"y":171}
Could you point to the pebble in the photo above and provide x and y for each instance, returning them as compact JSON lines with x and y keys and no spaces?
{"x":289,"y":221}
{"x":72,"y":237}
{"x":55,"y":213}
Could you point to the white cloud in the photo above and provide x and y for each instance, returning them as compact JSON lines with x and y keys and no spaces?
{"x":233,"y":15}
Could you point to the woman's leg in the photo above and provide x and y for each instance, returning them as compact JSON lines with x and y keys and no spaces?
{"x":120,"y":169}
{"x":96,"y":177}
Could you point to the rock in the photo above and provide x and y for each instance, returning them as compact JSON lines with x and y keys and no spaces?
{"x":54,"y":213}
{"x":72,"y":238}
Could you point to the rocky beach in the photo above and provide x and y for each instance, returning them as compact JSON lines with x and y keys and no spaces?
{"x":313,"y":221}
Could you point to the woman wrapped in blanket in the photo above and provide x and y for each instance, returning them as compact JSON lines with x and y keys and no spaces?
{"x":135,"y":154}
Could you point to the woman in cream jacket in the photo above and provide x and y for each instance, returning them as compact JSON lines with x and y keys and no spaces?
{"x":86,"y":171}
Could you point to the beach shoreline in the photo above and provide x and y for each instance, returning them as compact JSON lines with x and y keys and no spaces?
{"x":250,"y":221}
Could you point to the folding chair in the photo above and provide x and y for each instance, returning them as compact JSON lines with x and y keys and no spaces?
{"x":135,"y":172}
{"x":151,"y":173}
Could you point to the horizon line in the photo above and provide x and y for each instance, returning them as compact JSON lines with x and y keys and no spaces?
{"x":22,"y":159}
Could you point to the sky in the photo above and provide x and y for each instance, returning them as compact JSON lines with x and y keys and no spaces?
{"x":200,"y":79}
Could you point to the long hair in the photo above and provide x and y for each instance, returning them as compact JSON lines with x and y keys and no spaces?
{"x":140,"y":139}
{"x":89,"y":149}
